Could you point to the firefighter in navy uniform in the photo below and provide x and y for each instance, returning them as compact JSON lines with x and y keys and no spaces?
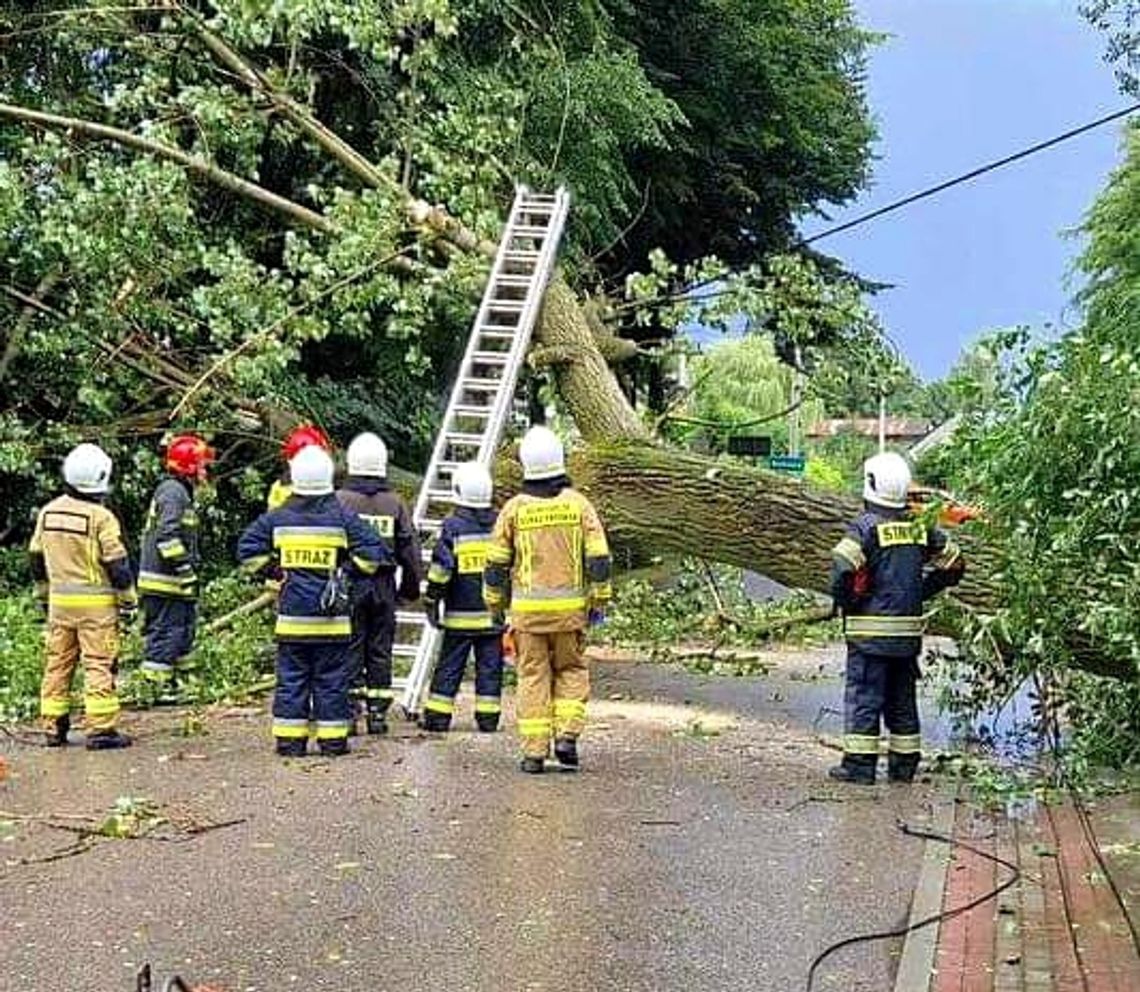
{"x":297,"y":440}
{"x":550,"y":559}
{"x":317,"y":544}
{"x":169,"y":561}
{"x":366,"y":493}
{"x":883,"y":570}
{"x":455,"y":604}
{"x":84,"y":581}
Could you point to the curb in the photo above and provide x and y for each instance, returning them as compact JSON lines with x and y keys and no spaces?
{"x":916,"y":965}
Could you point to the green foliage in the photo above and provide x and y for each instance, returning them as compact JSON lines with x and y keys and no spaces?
{"x":21,"y":657}
{"x":1120,"y":20}
{"x":1054,"y":453}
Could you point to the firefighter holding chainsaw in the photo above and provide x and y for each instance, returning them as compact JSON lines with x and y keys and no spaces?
{"x":550,"y":557}
{"x":169,"y":562}
{"x":883,"y":570}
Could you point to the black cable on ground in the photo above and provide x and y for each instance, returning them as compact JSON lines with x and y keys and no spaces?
{"x":946,"y":914}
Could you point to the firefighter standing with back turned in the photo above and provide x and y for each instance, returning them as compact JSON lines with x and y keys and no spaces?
{"x":455,"y":604}
{"x":316,"y":543}
{"x":880,"y":579}
{"x":83,"y":577}
{"x":549,"y":549}
{"x":169,"y":561}
{"x":366,"y":493}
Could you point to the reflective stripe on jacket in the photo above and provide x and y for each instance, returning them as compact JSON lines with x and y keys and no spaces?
{"x":385,"y":512}
{"x":169,"y":559}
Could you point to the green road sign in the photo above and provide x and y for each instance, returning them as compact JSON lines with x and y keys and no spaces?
{"x":787,"y":463}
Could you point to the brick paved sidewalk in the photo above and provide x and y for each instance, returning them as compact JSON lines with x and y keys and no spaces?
{"x":1059,"y":929}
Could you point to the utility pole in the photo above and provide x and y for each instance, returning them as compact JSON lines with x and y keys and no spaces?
{"x":882,"y":422}
{"x":795,"y":418}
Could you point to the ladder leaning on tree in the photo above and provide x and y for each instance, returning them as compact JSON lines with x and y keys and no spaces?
{"x":483,"y":396}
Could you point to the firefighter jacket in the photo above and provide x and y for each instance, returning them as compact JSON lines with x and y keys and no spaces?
{"x":386,"y":513}
{"x":455,"y":576}
{"x":315,"y":542}
{"x":550,"y":550}
{"x":79,"y":561}
{"x":880,"y":578}
{"x":169,"y":558}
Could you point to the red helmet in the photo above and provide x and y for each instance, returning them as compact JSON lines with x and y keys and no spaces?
{"x":302,"y":437}
{"x":188,"y":455}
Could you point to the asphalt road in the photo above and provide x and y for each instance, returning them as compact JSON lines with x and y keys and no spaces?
{"x":700,"y":848}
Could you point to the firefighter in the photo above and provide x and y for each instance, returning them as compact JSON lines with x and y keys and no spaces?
{"x":455,"y":604}
{"x":317,"y":544}
{"x":549,"y":549}
{"x":296,"y":440}
{"x":83,"y":579}
{"x":366,"y":493}
{"x":883,"y":569}
{"x":169,"y":561}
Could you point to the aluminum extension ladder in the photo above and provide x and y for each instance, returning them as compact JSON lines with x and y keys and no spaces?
{"x":482,"y":398}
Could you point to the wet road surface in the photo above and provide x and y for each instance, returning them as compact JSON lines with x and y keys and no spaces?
{"x":700,"y":848}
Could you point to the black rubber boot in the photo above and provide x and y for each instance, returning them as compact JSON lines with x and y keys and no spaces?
{"x":292,"y":748}
{"x":487,"y":723}
{"x":333,"y":749}
{"x":532,"y":766}
{"x":902,"y":767}
{"x":58,"y":736}
{"x":377,"y":721}
{"x":107,"y":740}
{"x":435,"y":723}
{"x":566,"y":751}
{"x":854,"y":772}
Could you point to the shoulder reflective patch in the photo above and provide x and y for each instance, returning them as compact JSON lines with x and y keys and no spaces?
{"x":899,"y":533}
{"x":68,"y":523}
{"x":308,"y":556}
{"x":383,"y":525}
{"x":850,"y":551}
{"x":553,"y":513}
{"x":471,"y":555}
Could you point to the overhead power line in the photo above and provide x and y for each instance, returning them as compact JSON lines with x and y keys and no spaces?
{"x":906,"y":201}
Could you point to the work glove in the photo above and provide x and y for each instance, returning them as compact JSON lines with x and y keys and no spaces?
{"x":127,"y":614}
{"x":596,"y":617}
{"x":433,"y":610}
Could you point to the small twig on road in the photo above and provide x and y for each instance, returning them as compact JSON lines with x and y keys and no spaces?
{"x":79,"y":846}
{"x":831,"y":798}
{"x":660,"y":823}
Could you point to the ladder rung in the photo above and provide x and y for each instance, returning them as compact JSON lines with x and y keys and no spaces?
{"x":503,"y":330}
{"x":409,"y":618}
{"x":468,"y":410}
{"x":460,"y":437}
{"x":521,"y":255}
{"x":493,"y":336}
{"x":482,"y":384}
{"x":513,"y":280}
{"x":491,"y":358}
{"x":405,"y":650}
{"x":529,"y":231}
{"x":430,"y":526}
{"x":441,"y":495}
{"x":506,"y":306}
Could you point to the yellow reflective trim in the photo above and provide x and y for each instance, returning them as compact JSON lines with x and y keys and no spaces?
{"x":480,"y":621}
{"x":498,"y":555}
{"x":313,"y":627}
{"x":549,"y":513}
{"x":851,"y":552}
{"x":170,"y":584}
{"x":311,"y":556}
{"x":597,"y":547}
{"x":291,"y":729}
{"x":536,"y":727}
{"x":101,"y":705}
{"x":900,"y":533}
{"x":905,"y":743}
{"x":383,"y":524}
{"x":55,"y":707}
{"x":601,"y":591}
{"x":331,"y":730}
{"x":493,"y":596}
{"x":555,"y":604}
{"x":439,"y":575}
{"x":309,"y":537}
{"x":81,"y":599}
{"x":856,"y":627}
{"x":860,"y":744}
{"x":173,"y":548}
{"x":472,"y":556}
{"x":439,"y":704}
{"x":569,"y":709}
{"x":488,"y":704}
{"x":255,"y":564}
{"x":279,"y":494}
{"x":365,"y":565}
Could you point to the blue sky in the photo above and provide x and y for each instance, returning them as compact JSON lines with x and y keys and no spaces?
{"x":961,"y":82}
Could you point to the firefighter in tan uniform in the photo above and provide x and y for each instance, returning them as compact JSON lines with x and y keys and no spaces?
{"x":84,"y":579}
{"x":549,"y":554}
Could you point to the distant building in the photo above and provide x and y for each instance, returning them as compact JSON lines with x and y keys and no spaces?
{"x":901,"y":430}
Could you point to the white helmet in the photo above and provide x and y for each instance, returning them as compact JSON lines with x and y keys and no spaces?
{"x":311,"y":472}
{"x":886,"y":479}
{"x":542,"y":455}
{"x":368,"y":455}
{"x":87,"y":469}
{"x":471,"y":486}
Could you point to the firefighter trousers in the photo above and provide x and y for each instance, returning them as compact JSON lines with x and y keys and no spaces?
{"x":553,"y":688}
{"x":169,"y":625}
{"x":95,"y":641}
{"x":881,"y":687}
{"x":312,"y":688}
{"x":453,"y":655}
{"x":373,"y":633}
